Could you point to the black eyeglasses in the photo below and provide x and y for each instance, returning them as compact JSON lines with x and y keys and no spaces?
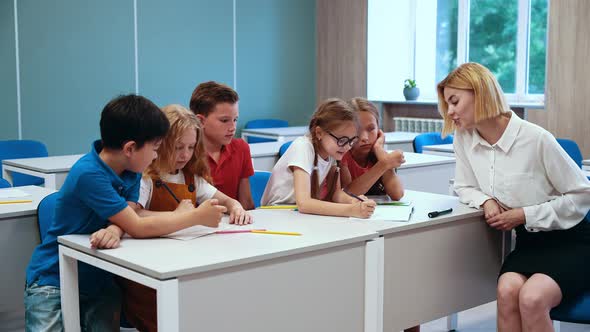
{"x":342,"y":141}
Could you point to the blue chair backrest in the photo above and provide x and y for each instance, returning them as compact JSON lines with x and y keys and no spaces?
{"x":46,"y":214}
{"x":258,"y":183}
{"x":433,"y":138}
{"x":284,"y":148}
{"x":576,"y":310}
{"x":572,"y":149}
{"x":4,"y":183}
{"x":264,"y":123}
{"x":15,"y":149}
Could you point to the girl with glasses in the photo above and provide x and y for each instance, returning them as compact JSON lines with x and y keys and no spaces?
{"x":308,"y":173}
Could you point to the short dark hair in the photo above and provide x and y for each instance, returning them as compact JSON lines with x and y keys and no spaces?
{"x":131,"y":118}
{"x":209,"y":94}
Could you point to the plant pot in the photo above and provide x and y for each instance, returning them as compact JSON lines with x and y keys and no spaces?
{"x":411,"y":93}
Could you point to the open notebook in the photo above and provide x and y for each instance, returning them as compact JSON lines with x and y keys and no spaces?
{"x":199,"y":230}
{"x":391,"y":213}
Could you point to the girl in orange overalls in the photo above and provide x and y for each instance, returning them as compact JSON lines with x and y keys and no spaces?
{"x":177,"y":179}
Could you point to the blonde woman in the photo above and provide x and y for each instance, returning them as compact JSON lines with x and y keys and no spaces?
{"x":521,"y":177}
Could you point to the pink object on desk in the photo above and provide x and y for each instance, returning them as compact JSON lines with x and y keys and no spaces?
{"x":231,"y":231}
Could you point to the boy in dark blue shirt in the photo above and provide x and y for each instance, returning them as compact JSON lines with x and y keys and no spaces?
{"x":99,"y":197}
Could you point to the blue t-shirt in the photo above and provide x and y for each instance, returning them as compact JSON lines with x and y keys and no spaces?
{"x":91,"y":194}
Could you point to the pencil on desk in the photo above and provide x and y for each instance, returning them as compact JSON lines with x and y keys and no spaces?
{"x":17,"y":201}
{"x":276,"y":233}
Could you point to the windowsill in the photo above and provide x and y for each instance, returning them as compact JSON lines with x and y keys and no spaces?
{"x":527,"y":105}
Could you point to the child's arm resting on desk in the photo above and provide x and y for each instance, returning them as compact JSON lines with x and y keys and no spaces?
{"x":208,"y":214}
{"x":307,"y":204}
{"x":237,"y":214}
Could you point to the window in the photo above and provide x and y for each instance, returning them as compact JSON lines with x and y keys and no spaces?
{"x":507,"y":36}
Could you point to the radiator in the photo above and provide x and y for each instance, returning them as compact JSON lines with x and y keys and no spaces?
{"x":417,"y":125}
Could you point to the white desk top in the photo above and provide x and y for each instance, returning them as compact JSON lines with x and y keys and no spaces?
{"x":399,"y":137}
{"x":153,"y":257}
{"x":23,"y":209}
{"x":56,"y":164}
{"x":282,"y":131}
{"x":265,"y":149}
{"x":440,"y":147}
{"x":422,"y":160}
{"x":423,"y":204}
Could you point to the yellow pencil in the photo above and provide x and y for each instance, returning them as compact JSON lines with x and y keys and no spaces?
{"x":276,"y":233}
{"x":278,"y":207}
{"x":17,"y":201}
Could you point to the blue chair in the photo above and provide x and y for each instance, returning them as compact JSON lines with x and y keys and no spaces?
{"x":46,"y":214}
{"x":284,"y":148}
{"x":258,"y":183}
{"x":264,"y":123}
{"x":15,"y":149}
{"x":572,"y":149}
{"x":433,"y":138}
{"x":4,"y":183}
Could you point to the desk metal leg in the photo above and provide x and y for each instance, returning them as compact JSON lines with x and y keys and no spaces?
{"x":374,"y":279}
{"x":68,"y":282}
{"x":452,"y":322}
{"x":50,"y":181}
{"x":168,"y":310}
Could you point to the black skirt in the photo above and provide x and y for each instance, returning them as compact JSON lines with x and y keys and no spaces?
{"x":563,"y":255}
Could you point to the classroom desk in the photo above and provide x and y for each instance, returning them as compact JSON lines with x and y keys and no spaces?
{"x":431,"y":268}
{"x":446,"y":150}
{"x":314,"y":282}
{"x":282,"y":134}
{"x":427,"y":173}
{"x":53,"y":170}
{"x":19,"y":235}
{"x":341,"y":275}
{"x":265,"y":155}
{"x":400,"y":140}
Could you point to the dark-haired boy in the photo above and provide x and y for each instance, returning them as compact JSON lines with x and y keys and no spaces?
{"x":103,"y":187}
{"x":230,"y":162}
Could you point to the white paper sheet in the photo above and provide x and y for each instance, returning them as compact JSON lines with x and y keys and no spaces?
{"x":199,"y":230}
{"x":391,"y":213}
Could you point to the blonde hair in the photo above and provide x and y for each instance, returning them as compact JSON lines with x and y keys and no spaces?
{"x":329,"y":115}
{"x":490,"y":101}
{"x":180,"y":120}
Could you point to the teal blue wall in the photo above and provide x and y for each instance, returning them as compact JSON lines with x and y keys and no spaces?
{"x":277,"y":81}
{"x":75,"y":56}
{"x":8,"y":111}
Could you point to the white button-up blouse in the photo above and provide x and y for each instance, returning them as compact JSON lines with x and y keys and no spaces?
{"x":526,"y":168}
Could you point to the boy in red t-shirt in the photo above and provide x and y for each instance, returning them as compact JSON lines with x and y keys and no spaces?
{"x":216,"y":105}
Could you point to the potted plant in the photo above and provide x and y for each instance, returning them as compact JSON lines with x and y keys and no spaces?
{"x":411,"y":92}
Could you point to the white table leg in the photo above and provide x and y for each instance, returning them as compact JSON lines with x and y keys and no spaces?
{"x":50,"y":181}
{"x":68,"y":270}
{"x":374,"y":275}
{"x":7,"y":175}
{"x":452,"y":322}
{"x":168,"y":310}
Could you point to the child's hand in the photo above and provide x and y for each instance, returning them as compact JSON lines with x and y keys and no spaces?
{"x":394,"y":159}
{"x":239,"y":216}
{"x":210,"y":213}
{"x":380,"y":141}
{"x":184,"y":205}
{"x":104,"y":239}
{"x":363,"y":209}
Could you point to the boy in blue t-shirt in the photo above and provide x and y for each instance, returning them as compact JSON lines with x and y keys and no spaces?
{"x":99,"y":197}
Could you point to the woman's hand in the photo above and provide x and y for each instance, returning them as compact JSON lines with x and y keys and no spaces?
{"x":491,"y":208}
{"x":507,"y":220}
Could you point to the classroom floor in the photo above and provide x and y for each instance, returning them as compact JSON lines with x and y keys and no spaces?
{"x":479,"y":319}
